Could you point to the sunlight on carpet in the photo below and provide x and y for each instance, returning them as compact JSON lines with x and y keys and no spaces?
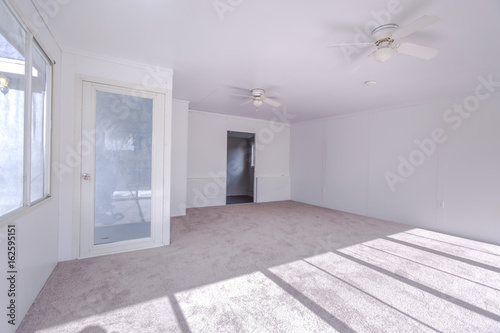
{"x":242,"y":304}
{"x":232,"y":270}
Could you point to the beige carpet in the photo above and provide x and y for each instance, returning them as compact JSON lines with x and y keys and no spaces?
{"x":279,"y":267}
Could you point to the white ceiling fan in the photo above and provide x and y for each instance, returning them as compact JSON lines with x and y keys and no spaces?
{"x":257,"y":96}
{"x":386,"y":39}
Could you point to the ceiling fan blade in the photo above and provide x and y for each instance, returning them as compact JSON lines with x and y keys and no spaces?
{"x":272,"y":94}
{"x":419,"y":51}
{"x":353,"y":44}
{"x":247,"y":102}
{"x":414,"y":26}
{"x":247,"y":96}
{"x":361,"y":62}
{"x":238,"y":88}
{"x":272,"y":103}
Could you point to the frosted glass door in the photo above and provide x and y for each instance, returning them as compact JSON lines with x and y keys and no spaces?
{"x":123,"y":166}
{"x":122,"y":185}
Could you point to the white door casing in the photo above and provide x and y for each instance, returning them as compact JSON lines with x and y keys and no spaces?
{"x":160,"y":173}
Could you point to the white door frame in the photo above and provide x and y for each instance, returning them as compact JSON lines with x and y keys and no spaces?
{"x":161,"y":151}
{"x":254,"y":189}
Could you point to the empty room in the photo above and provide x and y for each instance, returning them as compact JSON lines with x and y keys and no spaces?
{"x":249,"y":166}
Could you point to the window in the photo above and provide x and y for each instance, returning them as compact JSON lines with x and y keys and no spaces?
{"x":25,"y":85}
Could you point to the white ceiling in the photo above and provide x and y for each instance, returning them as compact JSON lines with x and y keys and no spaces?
{"x":281,"y":45}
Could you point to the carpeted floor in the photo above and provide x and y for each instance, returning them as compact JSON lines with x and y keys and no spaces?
{"x":279,"y":267}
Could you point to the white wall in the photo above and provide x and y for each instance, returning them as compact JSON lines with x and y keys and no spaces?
{"x":207,"y":155}
{"x":342,"y":163}
{"x":308,"y":162}
{"x":76,"y":63}
{"x":179,"y":157}
{"x":36,"y":227}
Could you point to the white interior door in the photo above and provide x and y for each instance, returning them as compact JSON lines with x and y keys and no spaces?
{"x":122,"y":178}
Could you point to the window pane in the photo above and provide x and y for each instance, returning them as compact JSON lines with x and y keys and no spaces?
{"x":12,"y":87}
{"x":39,"y":113}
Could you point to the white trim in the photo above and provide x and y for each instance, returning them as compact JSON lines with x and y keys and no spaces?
{"x":21,"y":211}
{"x":119,"y":84}
{"x":167,"y":164}
{"x":116,"y":60}
{"x":230,"y":116}
{"x":158,"y":170}
{"x":392,"y":108}
{"x":86,"y":165}
{"x":77,"y":171}
{"x":28,"y":132}
{"x":49,"y":125}
{"x":33,"y":29}
{"x":181,"y":101}
{"x":120,"y":247}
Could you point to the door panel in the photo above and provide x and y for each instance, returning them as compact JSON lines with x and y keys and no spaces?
{"x":122,"y":170}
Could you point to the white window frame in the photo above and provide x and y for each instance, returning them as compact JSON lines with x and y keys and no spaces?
{"x":31,"y":44}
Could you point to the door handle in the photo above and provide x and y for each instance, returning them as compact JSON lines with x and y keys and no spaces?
{"x":86,"y":176}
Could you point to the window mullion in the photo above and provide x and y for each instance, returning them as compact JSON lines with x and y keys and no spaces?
{"x":47,"y":122}
{"x":48,"y":129}
{"x":27,"y":119}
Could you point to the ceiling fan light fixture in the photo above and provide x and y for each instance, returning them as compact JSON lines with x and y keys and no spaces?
{"x":4,"y":85}
{"x":383,"y":54}
{"x":257,"y":102}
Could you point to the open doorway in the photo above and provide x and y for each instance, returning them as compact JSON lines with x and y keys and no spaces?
{"x":240,"y":167}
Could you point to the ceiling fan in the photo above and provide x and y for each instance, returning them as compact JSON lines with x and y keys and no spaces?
{"x":386,"y":36}
{"x":257,"y":96}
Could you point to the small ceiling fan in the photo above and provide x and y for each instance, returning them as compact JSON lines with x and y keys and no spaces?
{"x":257,"y":96}
{"x":386,"y":36}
